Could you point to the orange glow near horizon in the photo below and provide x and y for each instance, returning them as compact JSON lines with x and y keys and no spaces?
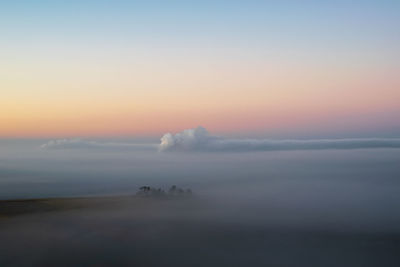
{"x":139,"y":69}
{"x":126,"y":98}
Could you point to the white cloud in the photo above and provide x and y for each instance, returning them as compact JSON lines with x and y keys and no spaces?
{"x":192,"y":139}
{"x":200,"y":140}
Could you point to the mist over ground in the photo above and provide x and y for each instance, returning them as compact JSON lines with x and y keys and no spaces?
{"x":267,"y":208}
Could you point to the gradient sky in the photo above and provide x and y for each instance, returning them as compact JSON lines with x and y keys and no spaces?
{"x":251,"y":68}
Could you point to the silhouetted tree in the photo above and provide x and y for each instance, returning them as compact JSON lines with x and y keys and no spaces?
{"x":174,"y":191}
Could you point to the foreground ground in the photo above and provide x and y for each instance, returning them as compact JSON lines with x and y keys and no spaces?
{"x":132,"y":231}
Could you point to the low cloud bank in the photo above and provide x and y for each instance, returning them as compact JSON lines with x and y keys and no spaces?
{"x":70,"y":143}
{"x":77,"y":143}
{"x":200,"y":140}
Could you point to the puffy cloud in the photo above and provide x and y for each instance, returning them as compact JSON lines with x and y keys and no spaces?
{"x":200,"y":140}
{"x":191,"y":139}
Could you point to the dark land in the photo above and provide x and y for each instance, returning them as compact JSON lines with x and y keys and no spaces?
{"x":149,"y":231}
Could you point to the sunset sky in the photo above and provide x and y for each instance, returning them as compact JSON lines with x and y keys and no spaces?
{"x":241,"y":68}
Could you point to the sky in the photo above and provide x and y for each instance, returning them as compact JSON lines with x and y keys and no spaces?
{"x":280,"y":69}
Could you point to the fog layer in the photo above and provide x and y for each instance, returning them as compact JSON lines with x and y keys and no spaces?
{"x":266,"y":208}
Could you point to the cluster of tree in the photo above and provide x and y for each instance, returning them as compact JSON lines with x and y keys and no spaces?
{"x":174,"y":191}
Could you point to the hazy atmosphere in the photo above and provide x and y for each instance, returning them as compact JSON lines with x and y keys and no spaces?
{"x":244,"y":200}
{"x":200,"y":133}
